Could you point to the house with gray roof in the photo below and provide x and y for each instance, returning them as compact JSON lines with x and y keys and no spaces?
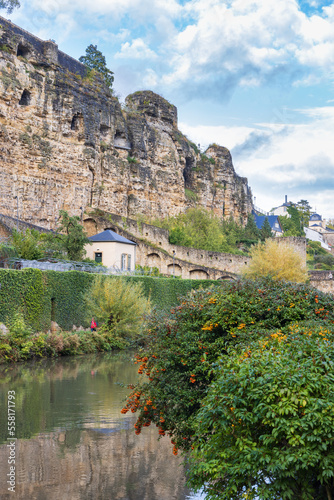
{"x":112,"y":250}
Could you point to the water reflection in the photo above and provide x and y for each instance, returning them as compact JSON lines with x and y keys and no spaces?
{"x":73,"y":442}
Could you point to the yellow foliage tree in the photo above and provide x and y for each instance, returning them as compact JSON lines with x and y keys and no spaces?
{"x":277,"y":260}
{"x":118,"y":305}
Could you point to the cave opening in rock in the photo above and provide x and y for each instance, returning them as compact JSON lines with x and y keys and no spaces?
{"x":76,"y":121}
{"x":187,"y":172}
{"x":25,"y":98}
{"x":22,"y":50}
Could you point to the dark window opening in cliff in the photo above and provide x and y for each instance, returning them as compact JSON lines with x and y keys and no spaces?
{"x":104,"y":130}
{"x":25,"y":98}
{"x":22,"y":50}
{"x":187,"y":172}
{"x":76,"y":121}
{"x":120,"y":135}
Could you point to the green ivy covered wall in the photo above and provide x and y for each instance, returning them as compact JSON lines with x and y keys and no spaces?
{"x":45,"y":295}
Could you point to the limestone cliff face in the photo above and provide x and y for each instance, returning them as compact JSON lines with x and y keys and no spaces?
{"x":66,"y":143}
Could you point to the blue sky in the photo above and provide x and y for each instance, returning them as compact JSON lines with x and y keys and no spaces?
{"x":255,"y":76}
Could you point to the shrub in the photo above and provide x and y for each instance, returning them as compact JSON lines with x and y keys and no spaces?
{"x":118,"y":305}
{"x":277,"y":260}
{"x":265,"y":429}
{"x":182,"y":346}
{"x":18,"y":327}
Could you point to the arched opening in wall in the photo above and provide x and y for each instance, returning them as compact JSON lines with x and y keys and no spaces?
{"x":227,"y":277}
{"x":22,"y":50}
{"x":153,"y":260}
{"x":174,"y":269}
{"x":198,"y":274}
{"x":25,"y":98}
{"x":110,"y":229}
{"x":90,"y":227}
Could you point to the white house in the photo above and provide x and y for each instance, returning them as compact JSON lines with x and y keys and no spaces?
{"x":282,"y":209}
{"x":112,"y":250}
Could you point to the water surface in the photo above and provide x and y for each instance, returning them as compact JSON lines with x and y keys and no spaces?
{"x":73,"y":442}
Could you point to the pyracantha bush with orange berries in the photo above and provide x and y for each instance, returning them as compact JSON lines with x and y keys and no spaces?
{"x":179,"y":361}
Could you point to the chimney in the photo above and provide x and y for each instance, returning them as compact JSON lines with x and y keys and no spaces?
{"x":286,"y":198}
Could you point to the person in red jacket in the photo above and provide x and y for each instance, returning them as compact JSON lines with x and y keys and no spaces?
{"x":93,"y":325}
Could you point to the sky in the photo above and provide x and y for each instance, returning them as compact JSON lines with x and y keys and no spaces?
{"x":255,"y":76}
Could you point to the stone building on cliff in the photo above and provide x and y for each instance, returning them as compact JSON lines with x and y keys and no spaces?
{"x":67,"y":143}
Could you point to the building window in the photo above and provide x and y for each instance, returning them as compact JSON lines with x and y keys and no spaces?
{"x":98,"y":256}
{"x":123,"y":262}
{"x":129,"y":262}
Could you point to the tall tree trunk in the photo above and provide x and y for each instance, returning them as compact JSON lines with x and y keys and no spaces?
{"x":329,"y":494}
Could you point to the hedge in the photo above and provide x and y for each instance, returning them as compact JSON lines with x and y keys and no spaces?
{"x":46,"y":295}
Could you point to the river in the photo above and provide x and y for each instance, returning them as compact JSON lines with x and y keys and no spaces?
{"x":72,"y":442}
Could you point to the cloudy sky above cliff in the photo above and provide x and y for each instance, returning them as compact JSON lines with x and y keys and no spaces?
{"x":256,"y":76}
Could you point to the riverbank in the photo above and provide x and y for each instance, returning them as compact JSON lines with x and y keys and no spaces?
{"x":15,"y":348}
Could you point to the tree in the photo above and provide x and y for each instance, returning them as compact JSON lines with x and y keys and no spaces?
{"x":291,"y":225}
{"x":75,"y":239}
{"x":304,"y":210}
{"x":197,"y":228}
{"x":251,"y":230}
{"x":265,"y":231}
{"x":27,"y":244}
{"x":265,"y":429}
{"x":277,"y":260}
{"x":10,"y":5}
{"x":95,"y":61}
{"x":118,"y":305}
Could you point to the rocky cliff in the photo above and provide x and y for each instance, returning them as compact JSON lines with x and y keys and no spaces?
{"x":66,"y":143}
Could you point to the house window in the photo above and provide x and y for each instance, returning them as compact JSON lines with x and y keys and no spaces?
{"x":129,"y":262}
{"x":98,"y":256}
{"x":123,"y":262}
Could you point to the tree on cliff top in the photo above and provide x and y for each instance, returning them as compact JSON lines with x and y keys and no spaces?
{"x":10,"y":5}
{"x":95,"y":61}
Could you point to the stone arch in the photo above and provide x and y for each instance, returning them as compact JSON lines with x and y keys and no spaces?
{"x":90,"y":226}
{"x":178,"y":269}
{"x":22,"y":50}
{"x":227,"y":277}
{"x":198,"y":274}
{"x":153,"y":260}
{"x":25,"y":98}
{"x":111,"y":229}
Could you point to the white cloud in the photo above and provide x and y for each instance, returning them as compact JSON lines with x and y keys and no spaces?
{"x":292,"y":159}
{"x":137,"y":49}
{"x":109,"y":36}
{"x":228,"y":137}
{"x":250,"y":41}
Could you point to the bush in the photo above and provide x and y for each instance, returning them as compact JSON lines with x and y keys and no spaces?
{"x":265,"y":429}
{"x":118,"y":305}
{"x":182,"y":346}
{"x":277,"y":260}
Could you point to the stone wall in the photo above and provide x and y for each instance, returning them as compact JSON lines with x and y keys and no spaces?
{"x":322,"y":280}
{"x":154,"y":250}
{"x":66,"y":143}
